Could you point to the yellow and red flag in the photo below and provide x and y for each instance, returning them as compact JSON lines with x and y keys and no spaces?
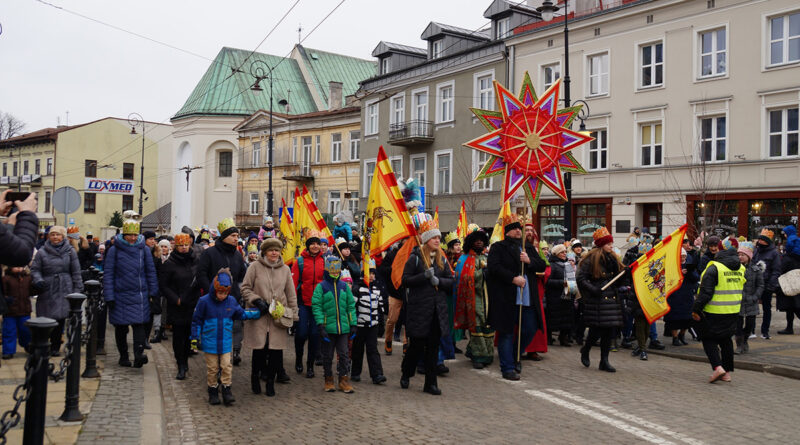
{"x":288,"y":235}
{"x":302,"y":221}
{"x":657,"y":274}
{"x":317,"y":223}
{"x":463,"y":224}
{"x":436,"y":215}
{"x":497,"y":233}
{"x":387,"y":219}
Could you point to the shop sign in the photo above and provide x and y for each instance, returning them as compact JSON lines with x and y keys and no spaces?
{"x":111,"y":186}
{"x":554,"y":229}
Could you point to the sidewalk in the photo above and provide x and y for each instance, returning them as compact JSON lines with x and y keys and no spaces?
{"x":779,"y":355}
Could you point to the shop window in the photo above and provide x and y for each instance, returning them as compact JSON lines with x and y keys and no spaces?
{"x":588,"y":218}
{"x":551,"y":221}
{"x":772,"y":214}
{"x":719,"y":218}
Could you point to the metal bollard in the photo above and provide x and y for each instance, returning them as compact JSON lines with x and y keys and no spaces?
{"x":93,"y":289}
{"x":40,"y":327}
{"x":71,"y":400}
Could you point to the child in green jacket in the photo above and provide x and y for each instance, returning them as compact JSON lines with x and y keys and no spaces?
{"x":334,"y":310}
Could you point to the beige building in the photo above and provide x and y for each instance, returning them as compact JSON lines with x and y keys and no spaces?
{"x":320,"y":150}
{"x":694,"y":105}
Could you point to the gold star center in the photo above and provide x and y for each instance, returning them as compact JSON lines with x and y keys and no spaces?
{"x":532,"y":141}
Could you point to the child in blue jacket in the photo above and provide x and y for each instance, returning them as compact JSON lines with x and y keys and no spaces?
{"x":212,"y":326}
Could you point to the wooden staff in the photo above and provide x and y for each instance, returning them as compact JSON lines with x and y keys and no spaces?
{"x":619,"y":275}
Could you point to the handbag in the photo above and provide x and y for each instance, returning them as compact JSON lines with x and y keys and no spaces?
{"x":281,"y":314}
{"x":790,"y":283}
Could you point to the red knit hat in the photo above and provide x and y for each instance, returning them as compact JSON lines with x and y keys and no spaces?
{"x":602,"y":237}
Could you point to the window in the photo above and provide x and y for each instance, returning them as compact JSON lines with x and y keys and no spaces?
{"x":352,"y":203}
{"x":550,"y":73}
{"x":443,"y":167}
{"x":25,"y":167}
{"x":784,"y":39}
{"x":317,"y":149}
{"x":127,"y":170}
{"x":256,"y":161}
{"x":484,"y":93}
{"x":588,"y":218}
{"x":713,"y":53}
{"x":713,"y":133}
{"x":480,"y":158}
{"x":334,"y":201}
{"x":651,"y":144}
{"x":598,"y":74}
{"x":386,"y":65}
{"x":437,"y":46}
{"x":371,"y":119}
{"x":37,"y":167}
{"x":307,"y":150}
{"x":652,"y":63}
{"x":15,"y":168}
{"x":551,"y":220}
{"x":294,"y":149}
{"x":336,"y":147}
{"x":783,"y":132}
{"x":89,"y":169}
{"x":369,"y":170}
{"x":418,"y":169}
{"x":88,"y":202}
{"x":225,"y":164}
{"x":49,"y":166}
{"x":5,"y":168}
{"x":503,"y":28}
{"x":254,"y":203}
{"x":127,"y":202}
{"x":444,"y":103}
{"x":398,"y":108}
{"x":355,"y":145}
{"x":421,"y":105}
{"x":47,"y":198}
{"x":598,"y":150}
{"x":397,"y":166}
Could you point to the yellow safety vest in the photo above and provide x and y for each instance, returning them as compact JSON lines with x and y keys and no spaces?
{"x":727,"y":297}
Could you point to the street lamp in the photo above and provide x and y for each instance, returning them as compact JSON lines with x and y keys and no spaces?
{"x":135,"y":119}
{"x":260,"y":70}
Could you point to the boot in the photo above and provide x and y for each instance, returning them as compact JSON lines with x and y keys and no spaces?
{"x":676,"y":342}
{"x":788,"y":331}
{"x":585,"y":355}
{"x":181,"y":373}
{"x":227,"y":395}
{"x":344,"y":385}
{"x":139,"y":360}
{"x":739,"y":345}
{"x":156,"y":336}
{"x":270,"y":390}
{"x":329,"y":384}
{"x":236,"y":358}
{"x":605,"y":365}
{"x":213,"y":395}
{"x":627,"y":343}
{"x":298,"y":364}
{"x":563,"y":339}
{"x":164,"y":334}
{"x":255,"y":382}
{"x":745,"y":344}
{"x":283,"y":377}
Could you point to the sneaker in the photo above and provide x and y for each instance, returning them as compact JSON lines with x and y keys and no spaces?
{"x":726,"y":377}
{"x":511,"y":375}
{"x":719,"y":371}
{"x":765,"y":336}
{"x":655,"y":344}
{"x":752,"y":336}
{"x":643,"y":355}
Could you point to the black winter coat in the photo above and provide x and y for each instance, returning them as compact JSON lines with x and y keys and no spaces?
{"x":17,"y":242}
{"x":703,"y":262}
{"x":384,"y":271}
{"x":560,"y":312}
{"x":503,"y":264}
{"x":217,"y":257}
{"x":602,"y":309}
{"x":785,"y":303}
{"x":715,"y":325}
{"x":680,"y":301}
{"x":772,"y":260}
{"x":423,"y":301}
{"x":176,"y":282}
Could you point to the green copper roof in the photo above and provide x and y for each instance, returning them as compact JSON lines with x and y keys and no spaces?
{"x":222,"y":92}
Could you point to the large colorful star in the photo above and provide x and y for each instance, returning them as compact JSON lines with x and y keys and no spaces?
{"x":529,"y":141}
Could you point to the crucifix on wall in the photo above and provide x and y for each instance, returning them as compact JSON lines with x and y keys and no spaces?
{"x":188,"y":170}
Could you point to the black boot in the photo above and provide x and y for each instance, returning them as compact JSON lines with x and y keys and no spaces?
{"x":181,"y":373}
{"x":283,"y":377}
{"x":605,"y":365}
{"x":156,"y":336}
{"x":255,"y":382}
{"x":227,"y":396}
{"x":213,"y":395}
{"x":585,"y":355}
{"x":236,"y":358}
{"x":270,"y":391}
{"x":563,"y":339}
{"x":164,"y":334}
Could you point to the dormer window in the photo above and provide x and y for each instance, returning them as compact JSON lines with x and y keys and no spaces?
{"x":386,"y":65}
{"x":503,"y":28}
{"x":436,"y":49}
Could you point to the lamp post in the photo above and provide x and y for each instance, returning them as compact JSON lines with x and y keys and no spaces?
{"x":260,"y":70}
{"x":135,"y":119}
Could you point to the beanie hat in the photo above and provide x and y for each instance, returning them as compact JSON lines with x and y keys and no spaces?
{"x":730,"y":243}
{"x":271,"y":244}
{"x":183,"y":239}
{"x":59,"y":229}
{"x":164,"y":243}
{"x":333,"y":265}
{"x":602,"y":237}
{"x":226,"y":228}
{"x":252,"y":236}
{"x":746,"y":247}
{"x":222,"y":282}
{"x":148,"y":234}
{"x":267,"y":219}
{"x":427,"y":227}
{"x":712,"y":240}
{"x":558,"y":248}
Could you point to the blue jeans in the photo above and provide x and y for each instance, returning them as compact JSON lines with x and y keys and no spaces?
{"x":506,"y":343}
{"x":14,"y":329}
{"x":306,"y":330}
{"x":447,"y":349}
{"x":653,"y":332}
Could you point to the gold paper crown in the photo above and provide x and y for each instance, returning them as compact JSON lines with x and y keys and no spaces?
{"x":509,"y":219}
{"x":600,"y":233}
{"x":768,"y":233}
{"x":472,"y":228}
{"x":452,"y":236}
{"x":252,"y":248}
{"x":183,"y":239}
{"x":428,"y":224}
{"x":225,"y":224}
{"x":73,"y":229}
{"x":131,"y":225}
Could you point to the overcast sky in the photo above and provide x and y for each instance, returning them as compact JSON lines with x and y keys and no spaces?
{"x":54,"y":61}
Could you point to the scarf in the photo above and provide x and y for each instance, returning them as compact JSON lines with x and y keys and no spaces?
{"x":465,"y":293}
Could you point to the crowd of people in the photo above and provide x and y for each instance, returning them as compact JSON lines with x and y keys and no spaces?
{"x":217,"y":292}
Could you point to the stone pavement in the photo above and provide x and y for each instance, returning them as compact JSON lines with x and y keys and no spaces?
{"x":662,"y":400}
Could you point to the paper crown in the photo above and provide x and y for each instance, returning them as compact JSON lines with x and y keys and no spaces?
{"x":339,"y":241}
{"x":73,"y":229}
{"x":543,"y":244}
{"x":508,"y":219}
{"x":768,"y":233}
{"x":252,"y":248}
{"x":333,"y":265}
{"x":222,"y":282}
{"x":746,"y":247}
{"x":131,"y":224}
{"x":225,"y":224}
{"x":452,"y":236}
{"x":346,"y":277}
{"x":372,"y":263}
{"x":183,"y":239}
{"x":473,"y":228}
{"x":602,"y":237}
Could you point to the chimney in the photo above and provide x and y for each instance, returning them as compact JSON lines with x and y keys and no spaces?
{"x":334,"y":95}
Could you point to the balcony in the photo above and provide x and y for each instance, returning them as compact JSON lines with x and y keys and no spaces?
{"x":302,"y":173}
{"x":411,"y":133}
{"x":245,"y":219}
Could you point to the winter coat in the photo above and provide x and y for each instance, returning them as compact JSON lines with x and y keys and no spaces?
{"x":789,"y":262}
{"x":216,"y":257}
{"x":503,"y":264}
{"x":268,"y":281}
{"x":313,"y":267}
{"x":680,"y":301}
{"x":212,"y":322}
{"x":177,"y":284}
{"x":772,"y":260}
{"x":753,"y":288}
{"x":17,"y":289}
{"x":85,"y":257}
{"x":423,"y":301}
{"x":369,"y":304}
{"x":601,"y":308}
{"x":715,"y":325}
{"x":703,"y":262}
{"x":560,"y":311}
{"x":333,"y":306}
{"x":56,"y":273}
{"x":792,"y":240}
{"x":343,"y":231}
{"x":351,"y":264}
{"x":384,"y":273}
{"x":264,"y":233}
{"x":17,"y":243}
{"x":129,"y":280}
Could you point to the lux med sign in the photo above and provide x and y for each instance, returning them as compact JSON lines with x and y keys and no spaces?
{"x":113,"y":186}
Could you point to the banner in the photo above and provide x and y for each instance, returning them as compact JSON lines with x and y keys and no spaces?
{"x":287,"y":235}
{"x":317,"y":223}
{"x":463,"y":224}
{"x":111,"y":186}
{"x":657,"y":274}
{"x":497,"y":233}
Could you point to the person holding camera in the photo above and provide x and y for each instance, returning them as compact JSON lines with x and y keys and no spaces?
{"x":17,"y":232}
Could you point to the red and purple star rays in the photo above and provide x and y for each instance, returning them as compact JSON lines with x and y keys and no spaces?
{"x":529,"y":140}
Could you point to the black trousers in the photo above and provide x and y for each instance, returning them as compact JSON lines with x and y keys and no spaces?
{"x":339,"y":343}
{"x":713,"y":346}
{"x":55,"y":335}
{"x":102,"y":320}
{"x":121,"y":336}
{"x":746,"y":325}
{"x":367,"y":338}
{"x":181,"y":343}
{"x":426,"y":348}
{"x":267,"y":362}
{"x":604,"y":334}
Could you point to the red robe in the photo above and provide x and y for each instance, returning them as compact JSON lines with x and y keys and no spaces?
{"x":539,"y":342}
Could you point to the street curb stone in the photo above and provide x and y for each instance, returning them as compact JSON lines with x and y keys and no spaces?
{"x":779,"y":370}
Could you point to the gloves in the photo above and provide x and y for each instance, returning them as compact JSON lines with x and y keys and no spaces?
{"x":429,"y":273}
{"x":261,"y":306}
{"x":323,"y":333}
{"x":193,"y":344}
{"x":39,"y":285}
{"x":434,"y":280}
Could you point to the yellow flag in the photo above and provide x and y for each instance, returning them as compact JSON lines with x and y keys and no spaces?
{"x":497,"y":233}
{"x":288,"y":235}
{"x":387,"y":217}
{"x":302,"y":222}
{"x":657,"y":274}
{"x":463,"y":224}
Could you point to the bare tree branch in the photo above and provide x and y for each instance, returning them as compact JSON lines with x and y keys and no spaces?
{"x":10,"y":126}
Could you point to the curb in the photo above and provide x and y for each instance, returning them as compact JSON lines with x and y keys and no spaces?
{"x":779,"y":370}
{"x":152,"y":423}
